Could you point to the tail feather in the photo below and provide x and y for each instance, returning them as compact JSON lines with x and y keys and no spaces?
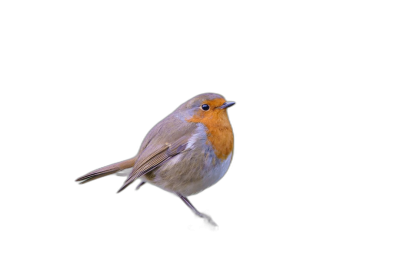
{"x":106,"y":170}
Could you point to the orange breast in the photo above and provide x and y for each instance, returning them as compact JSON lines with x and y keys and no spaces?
{"x":219,"y":129}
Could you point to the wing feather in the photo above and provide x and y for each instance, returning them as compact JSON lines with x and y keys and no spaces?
{"x":150,"y":160}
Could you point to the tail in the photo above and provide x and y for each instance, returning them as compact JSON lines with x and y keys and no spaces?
{"x":106,"y":170}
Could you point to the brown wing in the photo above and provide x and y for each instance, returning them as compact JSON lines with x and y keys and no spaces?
{"x":150,"y":159}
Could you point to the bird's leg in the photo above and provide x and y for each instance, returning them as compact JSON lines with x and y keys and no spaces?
{"x":206,"y":217}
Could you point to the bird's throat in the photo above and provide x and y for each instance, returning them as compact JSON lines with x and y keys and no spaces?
{"x":219,"y":132}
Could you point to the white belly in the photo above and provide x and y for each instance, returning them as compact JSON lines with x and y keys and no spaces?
{"x":191,"y":171}
{"x":211,"y":176}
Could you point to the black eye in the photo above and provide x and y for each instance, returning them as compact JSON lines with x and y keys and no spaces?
{"x":205,"y":107}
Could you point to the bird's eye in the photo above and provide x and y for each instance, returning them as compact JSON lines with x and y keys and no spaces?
{"x":205,"y":107}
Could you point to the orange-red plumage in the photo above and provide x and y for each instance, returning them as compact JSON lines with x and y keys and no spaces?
{"x":185,"y":153}
{"x":219,"y":129}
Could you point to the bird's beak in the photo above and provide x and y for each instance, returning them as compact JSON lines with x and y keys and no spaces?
{"x":227,"y":104}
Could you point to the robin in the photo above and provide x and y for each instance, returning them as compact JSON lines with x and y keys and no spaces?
{"x":185,"y":153}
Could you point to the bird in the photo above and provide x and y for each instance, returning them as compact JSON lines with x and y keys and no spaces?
{"x":185,"y":153}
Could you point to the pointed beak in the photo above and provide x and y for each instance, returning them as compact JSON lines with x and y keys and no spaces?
{"x":227,"y":104}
